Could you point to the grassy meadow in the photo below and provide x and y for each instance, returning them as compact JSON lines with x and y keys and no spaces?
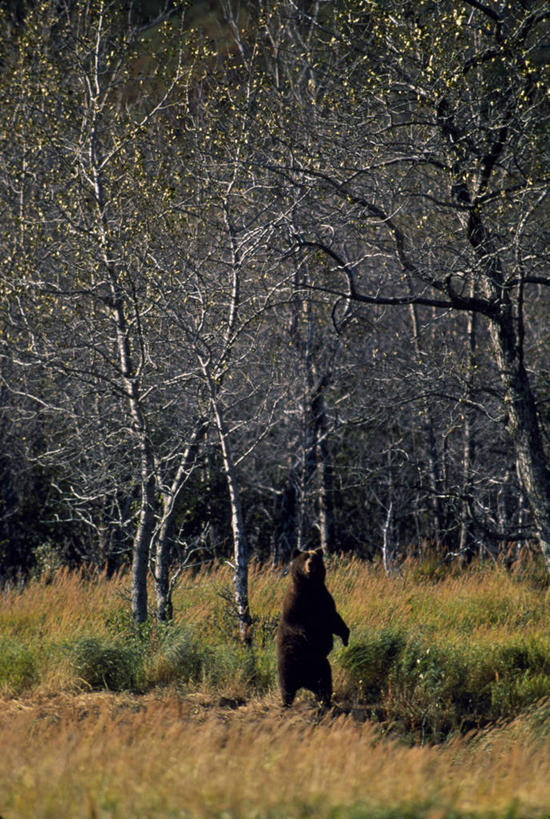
{"x":442,"y":700}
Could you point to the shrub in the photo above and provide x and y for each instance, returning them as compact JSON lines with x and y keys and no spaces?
{"x":539,"y":719}
{"x":180,"y":658}
{"x":101,"y":664}
{"x":431,"y":689}
{"x":259,"y":669}
{"x":522,"y":677}
{"x":235,"y":667}
{"x":368,"y":662}
{"x":18,"y":667}
{"x":512,"y":695}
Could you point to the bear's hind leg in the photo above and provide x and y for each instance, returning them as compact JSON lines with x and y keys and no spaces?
{"x":322,"y":683}
{"x":287,"y":697}
{"x":288,"y":688}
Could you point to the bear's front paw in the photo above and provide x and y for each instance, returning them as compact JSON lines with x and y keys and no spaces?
{"x":345,"y":637}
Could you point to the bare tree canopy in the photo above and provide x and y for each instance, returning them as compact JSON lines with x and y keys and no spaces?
{"x":273,"y":274}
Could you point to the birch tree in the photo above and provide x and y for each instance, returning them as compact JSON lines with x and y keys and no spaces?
{"x":89,"y":191}
{"x":234,"y":287}
{"x":433,"y":137}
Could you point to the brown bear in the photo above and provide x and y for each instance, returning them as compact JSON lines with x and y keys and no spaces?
{"x":304,"y":637}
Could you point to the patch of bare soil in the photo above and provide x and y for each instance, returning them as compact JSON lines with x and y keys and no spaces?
{"x":49,"y":709}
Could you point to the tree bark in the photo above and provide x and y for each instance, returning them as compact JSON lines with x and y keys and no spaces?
{"x":465,"y":546}
{"x":286,"y":521}
{"x":434,"y":469}
{"x":524,"y":427}
{"x":146,"y":517}
{"x":169,"y":507}
{"x":142,"y":539}
{"x":325,"y":477}
{"x":522,"y":421}
{"x":240,"y":540}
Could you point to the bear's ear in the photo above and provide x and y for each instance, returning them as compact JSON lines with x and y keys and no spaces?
{"x":319,"y":552}
{"x":296,"y":553}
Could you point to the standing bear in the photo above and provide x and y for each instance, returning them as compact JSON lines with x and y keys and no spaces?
{"x":304,"y":637}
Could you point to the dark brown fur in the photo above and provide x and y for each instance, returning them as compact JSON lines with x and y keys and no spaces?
{"x":304,"y":637}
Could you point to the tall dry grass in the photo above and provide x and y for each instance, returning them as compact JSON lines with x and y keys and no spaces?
{"x":483,"y":609}
{"x":110,"y":756}
{"x":484,"y":601}
{"x":200,"y":732}
{"x":63,"y":606}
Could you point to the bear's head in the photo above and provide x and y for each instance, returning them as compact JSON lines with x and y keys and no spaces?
{"x":308,"y":566}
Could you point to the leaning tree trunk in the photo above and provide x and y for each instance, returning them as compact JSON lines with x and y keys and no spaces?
{"x":524,"y":427}
{"x":506,"y":332}
{"x":325,"y":475}
{"x":240,"y":541}
{"x":129,"y":375}
{"x":170,"y":495}
{"x":146,"y":516}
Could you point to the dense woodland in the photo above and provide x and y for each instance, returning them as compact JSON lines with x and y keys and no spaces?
{"x":273,"y":274}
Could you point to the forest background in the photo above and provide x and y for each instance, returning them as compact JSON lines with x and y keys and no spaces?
{"x":274,"y":275}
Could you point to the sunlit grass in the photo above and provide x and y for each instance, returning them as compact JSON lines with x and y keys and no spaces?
{"x":478,"y":610}
{"x":483,"y":601}
{"x":197,"y":730}
{"x":113,"y":756}
{"x":63,"y":606}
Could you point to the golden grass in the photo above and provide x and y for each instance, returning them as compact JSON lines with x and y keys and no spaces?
{"x":484,"y":606}
{"x":184,"y":752}
{"x":470,"y":603}
{"x":484,"y":603}
{"x":64,"y":607}
{"x":118,"y":756}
